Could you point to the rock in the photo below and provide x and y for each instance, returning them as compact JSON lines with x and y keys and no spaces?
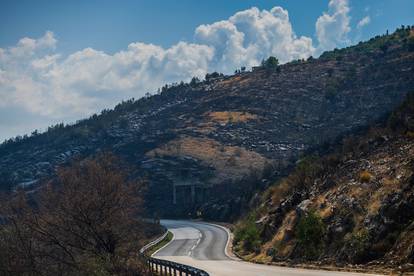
{"x":303,"y":207}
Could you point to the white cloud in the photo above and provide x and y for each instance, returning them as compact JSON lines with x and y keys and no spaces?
{"x":251,"y":35}
{"x":363,"y":22}
{"x":332,"y":27}
{"x":42,"y":82}
{"x":36,"y":79}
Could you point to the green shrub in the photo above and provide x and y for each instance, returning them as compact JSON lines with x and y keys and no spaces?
{"x":357,"y":244}
{"x":248,"y":235}
{"x":272,"y":63}
{"x":359,"y":240}
{"x":310,"y":232}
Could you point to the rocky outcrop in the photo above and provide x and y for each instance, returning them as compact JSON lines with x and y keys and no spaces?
{"x":360,"y":196}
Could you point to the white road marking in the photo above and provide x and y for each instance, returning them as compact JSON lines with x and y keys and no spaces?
{"x":196,"y":244}
{"x":165,"y":245}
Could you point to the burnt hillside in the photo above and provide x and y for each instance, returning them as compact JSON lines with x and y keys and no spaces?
{"x":208,"y":145}
{"x":352,"y":206}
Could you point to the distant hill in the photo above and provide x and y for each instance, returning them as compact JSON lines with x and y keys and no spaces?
{"x":207,"y":147}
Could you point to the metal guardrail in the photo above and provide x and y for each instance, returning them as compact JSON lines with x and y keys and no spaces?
{"x":164,"y":267}
{"x":168,"y":268}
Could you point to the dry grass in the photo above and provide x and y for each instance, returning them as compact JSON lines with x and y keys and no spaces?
{"x":388,"y":186}
{"x":326,"y":212}
{"x":229,"y":161}
{"x":236,"y":80}
{"x":262,"y":258}
{"x":284,"y":244}
{"x":286,"y":228}
{"x":327,"y":209}
{"x":365,"y":176}
{"x":278,"y":192}
{"x":231,"y":81}
{"x":357,"y":192}
{"x":374,"y":204}
{"x":225,"y":117}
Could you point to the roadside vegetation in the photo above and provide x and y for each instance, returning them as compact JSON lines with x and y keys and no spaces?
{"x":247,"y":236}
{"x":159,"y":245}
{"x":310,"y":232}
{"x":85,"y":222}
{"x":325,"y":210}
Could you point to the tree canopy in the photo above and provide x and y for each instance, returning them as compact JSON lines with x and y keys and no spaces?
{"x":271,"y":63}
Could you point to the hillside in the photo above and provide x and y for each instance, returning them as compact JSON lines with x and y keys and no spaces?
{"x":352,"y":206}
{"x":206,"y":147}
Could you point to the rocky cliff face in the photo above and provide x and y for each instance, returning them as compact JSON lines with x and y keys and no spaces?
{"x":354,"y":205}
{"x":205,"y":147}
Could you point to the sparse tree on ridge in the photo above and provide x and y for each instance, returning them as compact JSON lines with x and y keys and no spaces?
{"x":272,"y":63}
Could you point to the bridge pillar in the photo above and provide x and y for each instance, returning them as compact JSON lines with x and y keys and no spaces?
{"x":192,"y":193}
{"x":174,"y":194}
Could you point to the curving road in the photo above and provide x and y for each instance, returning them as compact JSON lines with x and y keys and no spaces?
{"x":204,"y":246}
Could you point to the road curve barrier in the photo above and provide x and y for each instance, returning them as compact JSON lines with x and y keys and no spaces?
{"x":168,"y":268}
{"x":164,"y":267}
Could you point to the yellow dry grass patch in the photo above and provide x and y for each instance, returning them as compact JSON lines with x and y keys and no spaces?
{"x":249,"y":257}
{"x":229,"y":161}
{"x":357,"y":192}
{"x":225,"y":117}
{"x":230,"y":81}
{"x":262,"y":258}
{"x":326,"y":212}
{"x":236,"y":80}
{"x":325,"y":208}
{"x":286,"y":229}
{"x":279,"y":191}
{"x":365,"y":176}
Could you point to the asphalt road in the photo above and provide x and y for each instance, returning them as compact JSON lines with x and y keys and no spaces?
{"x":203,"y":245}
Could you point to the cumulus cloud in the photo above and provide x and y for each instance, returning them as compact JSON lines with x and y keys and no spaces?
{"x":363,"y":22}
{"x":46,"y":87}
{"x":251,"y":35}
{"x":42,"y":82}
{"x":332,"y":27}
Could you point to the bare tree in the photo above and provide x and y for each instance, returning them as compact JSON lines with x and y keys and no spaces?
{"x":83,"y":223}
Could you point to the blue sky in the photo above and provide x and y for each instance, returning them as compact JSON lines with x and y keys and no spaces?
{"x":111,"y":25}
{"x":64,"y":60}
